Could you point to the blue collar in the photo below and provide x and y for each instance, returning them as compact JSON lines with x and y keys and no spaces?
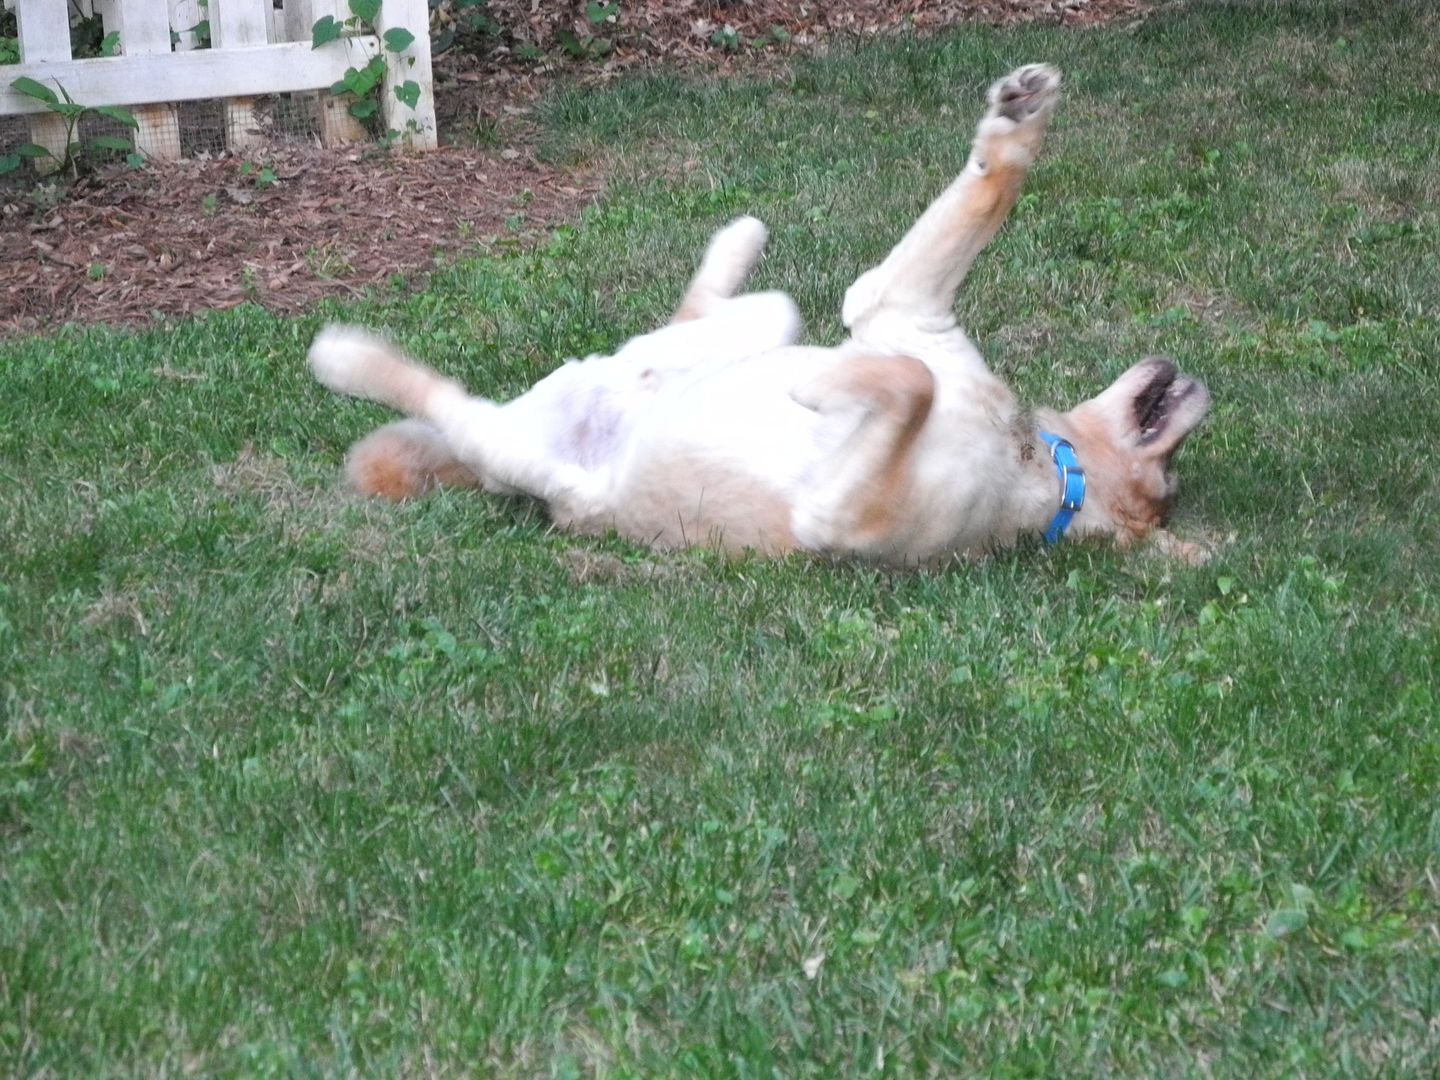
{"x":1072,"y":485}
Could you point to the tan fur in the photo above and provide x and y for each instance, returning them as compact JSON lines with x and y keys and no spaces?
{"x":898,"y":446}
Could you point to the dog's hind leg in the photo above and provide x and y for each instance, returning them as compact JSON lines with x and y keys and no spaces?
{"x":920,"y":276}
{"x":487,"y":439}
{"x":405,"y":459}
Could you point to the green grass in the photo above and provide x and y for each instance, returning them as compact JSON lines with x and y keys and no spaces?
{"x":295,"y":784}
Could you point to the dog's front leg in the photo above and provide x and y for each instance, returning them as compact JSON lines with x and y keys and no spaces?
{"x":854,"y":501}
{"x":919,"y":278}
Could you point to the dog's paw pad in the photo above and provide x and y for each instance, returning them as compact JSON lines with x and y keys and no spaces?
{"x":1026,"y":92}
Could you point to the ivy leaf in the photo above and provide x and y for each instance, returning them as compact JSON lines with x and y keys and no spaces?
{"x":365,"y":10}
{"x":362,"y":110}
{"x":37,"y":90}
{"x":398,"y":39}
{"x":360,"y":81}
{"x":408,"y":92}
{"x":325,"y":30}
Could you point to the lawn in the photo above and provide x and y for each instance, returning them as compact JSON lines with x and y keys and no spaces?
{"x":296,"y":784}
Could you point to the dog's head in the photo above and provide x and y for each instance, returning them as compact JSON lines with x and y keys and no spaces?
{"x":1126,"y":439}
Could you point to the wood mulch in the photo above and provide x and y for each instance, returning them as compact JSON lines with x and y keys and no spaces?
{"x":142,"y":245}
{"x":138,"y":246}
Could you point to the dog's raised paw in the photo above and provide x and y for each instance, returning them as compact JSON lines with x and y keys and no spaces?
{"x":1027,"y":91}
{"x":730,"y":256}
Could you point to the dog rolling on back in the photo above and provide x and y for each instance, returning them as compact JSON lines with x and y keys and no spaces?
{"x":898,"y":446}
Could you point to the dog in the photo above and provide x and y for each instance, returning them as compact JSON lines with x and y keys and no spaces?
{"x":898,"y":446}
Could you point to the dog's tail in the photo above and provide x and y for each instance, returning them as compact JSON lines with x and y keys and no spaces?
{"x":403,"y":459}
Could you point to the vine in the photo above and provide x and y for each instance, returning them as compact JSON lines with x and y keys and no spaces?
{"x":364,"y":83}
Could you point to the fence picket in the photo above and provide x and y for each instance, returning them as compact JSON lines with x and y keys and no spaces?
{"x":337,"y":126}
{"x":144,"y":30}
{"x":44,"y":35}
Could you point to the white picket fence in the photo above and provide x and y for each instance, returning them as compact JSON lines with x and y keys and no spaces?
{"x":257,"y":48}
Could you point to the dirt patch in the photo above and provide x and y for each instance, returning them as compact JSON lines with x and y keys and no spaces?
{"x":588,"y":567}
{"x":289,"y":224}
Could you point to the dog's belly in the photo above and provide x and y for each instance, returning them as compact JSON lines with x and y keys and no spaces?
{"x":716,"y":459}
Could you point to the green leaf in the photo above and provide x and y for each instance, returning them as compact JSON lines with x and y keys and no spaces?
{"x":37,"y":90}
{"x":363,"y":109}
{"x":110,"y":44}
{"x":408,"y":92}
{"x":112,"y":142}
{"x":33,"y":150}
{"x":366,"y":10}
{"x":324,"y":31}
{"x":398,"y":39}
{"x":9,"y":163}
{"x":123,"y":116}
{"x":69,"y":109}
{"x":135,"y":160}
{"x":360,"y":81}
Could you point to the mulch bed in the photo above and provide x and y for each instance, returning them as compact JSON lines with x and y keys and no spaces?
{"x":135,"y":246}
{"x":189,"y":236}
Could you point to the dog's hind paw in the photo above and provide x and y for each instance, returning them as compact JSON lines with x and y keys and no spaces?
{"x":338,"y":357}
{"x":1027,"y":91}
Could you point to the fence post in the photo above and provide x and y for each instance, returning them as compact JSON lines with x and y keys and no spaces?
{"x":410,"y":65}
{"x":236,"y":24}
{"x":144,"y":28}
{"x":43,"y":28}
